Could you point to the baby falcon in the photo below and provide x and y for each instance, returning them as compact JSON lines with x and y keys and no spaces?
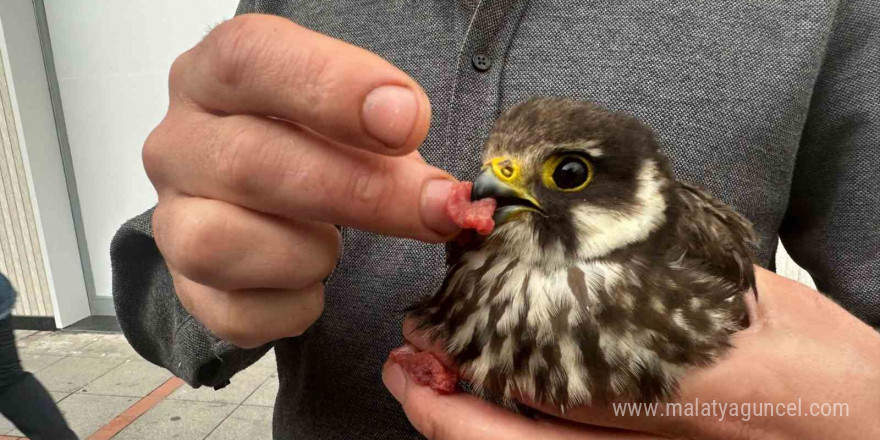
{"x":604,"y":279}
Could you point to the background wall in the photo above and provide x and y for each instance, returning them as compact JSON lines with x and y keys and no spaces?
{"x":21,"y":253}
{"x":112,"y":60}
{"x":41,"y":153}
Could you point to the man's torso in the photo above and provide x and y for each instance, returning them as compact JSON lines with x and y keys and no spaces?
{"x":726,"y":85}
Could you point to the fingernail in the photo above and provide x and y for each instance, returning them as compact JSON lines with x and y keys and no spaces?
{"x":433,"y":206}
{"x":395,"y":380}
{"x":389,"y":113}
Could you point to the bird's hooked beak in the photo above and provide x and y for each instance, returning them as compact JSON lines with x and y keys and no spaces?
{"x":502,"y":180}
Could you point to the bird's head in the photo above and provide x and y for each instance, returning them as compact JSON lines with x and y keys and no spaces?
{"x":572,"y":179}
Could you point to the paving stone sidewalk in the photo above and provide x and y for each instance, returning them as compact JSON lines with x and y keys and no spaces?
{"x":96,"y":377}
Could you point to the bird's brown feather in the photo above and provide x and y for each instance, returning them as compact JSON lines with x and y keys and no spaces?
{"x":717,"y":234}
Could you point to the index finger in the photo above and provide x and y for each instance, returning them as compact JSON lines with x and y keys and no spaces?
{"x":269,"y":66}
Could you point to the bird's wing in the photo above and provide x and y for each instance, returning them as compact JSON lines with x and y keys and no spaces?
{"x":712,"y":231}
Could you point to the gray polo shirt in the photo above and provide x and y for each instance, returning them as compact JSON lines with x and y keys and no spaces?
{"x":773,"y":106}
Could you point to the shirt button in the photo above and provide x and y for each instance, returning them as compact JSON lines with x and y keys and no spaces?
{"x":481,"y":62}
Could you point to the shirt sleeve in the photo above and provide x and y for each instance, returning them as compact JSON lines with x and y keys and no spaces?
{"x":153,"y":319}
{"x":246,"y":7}
{"x":832,"y":225}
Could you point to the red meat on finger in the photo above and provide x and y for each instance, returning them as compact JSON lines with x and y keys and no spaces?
{"x":469,"y":214}
{"x":425,"y":369}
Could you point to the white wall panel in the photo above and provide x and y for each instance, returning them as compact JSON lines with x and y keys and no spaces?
{"x":30,"y":99}
{"x":21,"y":254}
{"x":112,"y":59}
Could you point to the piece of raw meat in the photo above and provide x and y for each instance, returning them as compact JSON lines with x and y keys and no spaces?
{"x":469,"y":214}
{"x":425,"y":369}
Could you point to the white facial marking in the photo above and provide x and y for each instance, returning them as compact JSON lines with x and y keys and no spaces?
{"x":602,"y":230}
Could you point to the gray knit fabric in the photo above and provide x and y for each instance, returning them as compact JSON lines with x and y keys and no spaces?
{"x":772,"y":106}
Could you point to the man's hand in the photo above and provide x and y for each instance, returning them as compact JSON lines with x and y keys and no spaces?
{"x":802,"y":346}
{"x":275,"y":134}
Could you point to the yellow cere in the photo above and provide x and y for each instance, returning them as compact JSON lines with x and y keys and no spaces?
{"x":550,"y":167}
{"x":507,"y":170}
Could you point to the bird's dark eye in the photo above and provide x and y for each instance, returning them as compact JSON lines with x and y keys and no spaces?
{"x":567,"y":173}
{"x":570,"y":173}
